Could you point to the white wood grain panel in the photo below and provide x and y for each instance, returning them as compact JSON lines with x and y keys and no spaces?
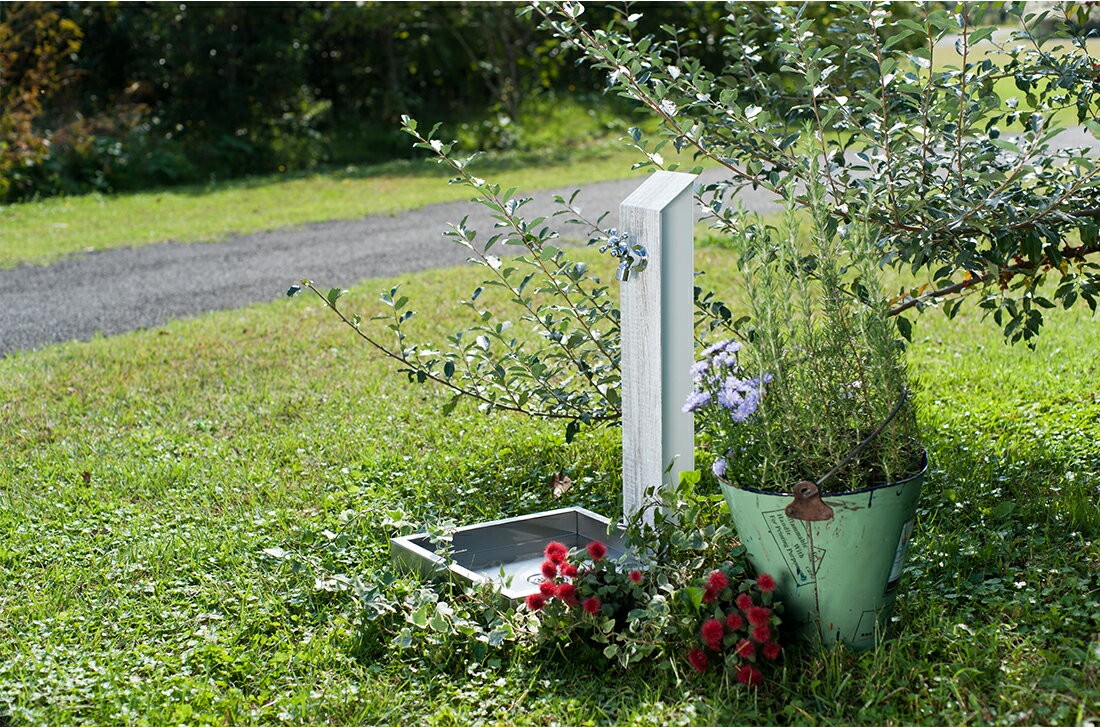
{"x":657,"y":341}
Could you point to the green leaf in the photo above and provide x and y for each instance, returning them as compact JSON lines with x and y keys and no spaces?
{"x":334,"y":295}
{"x":905,"y":328}
{"x":690,"y":477}
{"x":981,"y":34}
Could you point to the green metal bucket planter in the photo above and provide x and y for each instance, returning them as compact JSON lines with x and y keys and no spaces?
{"x":836,"y":558}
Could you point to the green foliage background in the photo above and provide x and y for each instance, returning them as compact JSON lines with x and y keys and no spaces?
{"x":137,"y":94}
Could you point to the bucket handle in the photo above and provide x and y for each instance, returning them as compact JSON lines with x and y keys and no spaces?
{"x":807,"y":504}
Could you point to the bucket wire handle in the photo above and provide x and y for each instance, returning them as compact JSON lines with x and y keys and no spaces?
{"x":870,"y":438}
{"x":807,"y":504}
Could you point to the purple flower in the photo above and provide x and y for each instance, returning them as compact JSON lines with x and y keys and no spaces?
{"x":714,"y":348}
{"x":725,"y":359}
{"x":731,"y":347}
{"x":740,"y":398}
{"x":716,"y":376}
{"x":696,"y":400}
{"x":719,"y":467}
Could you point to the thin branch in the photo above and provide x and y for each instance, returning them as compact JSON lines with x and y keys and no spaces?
{"x":495,"y":202}
{"x":1027,"y":224}
{"x":961,"y":124}
{"x":926,"y":102}
{"x":948,"y":290}
{"x":1069,"y":253}
{"x":886,"y":141}
{"x":640,"y":94}
{"x":400,"y":357}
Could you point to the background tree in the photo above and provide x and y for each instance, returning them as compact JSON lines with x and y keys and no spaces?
{"x":36,"y":48}
{"x":165,"y":93}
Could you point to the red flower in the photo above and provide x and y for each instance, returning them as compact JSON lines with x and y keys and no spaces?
{"x":717,"y":581}
{"x":636,"y":576}
{"x":750,"y":676}
{"x":569,"y":570}
{"x":597,"y":550}
{"x":771,"y":651}
{"x":698,"y":660}
{"x":744,"y":602}
{"x":556,"y":552}
{"x":712,"y":632}
{"x":548,"y":589}
{"x":745,"y":649}
{"x":765,"y":583}
{"x":549,"y":570}
{"x":762,"y":634}
{"x":535,"y":602}
{"x":710,"y":595}
{"x":592,"y":605}
{"x":759,"y":616}
{"x":567,"y":592}
{"x":734,"y":621}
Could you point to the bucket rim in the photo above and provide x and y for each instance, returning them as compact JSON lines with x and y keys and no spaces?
{"x":923,"y":471}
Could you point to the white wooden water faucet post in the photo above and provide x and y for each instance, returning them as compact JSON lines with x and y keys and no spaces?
{"x":657,"y":328}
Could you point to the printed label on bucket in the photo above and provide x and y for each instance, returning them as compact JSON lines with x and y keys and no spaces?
{"x":865,"y":629}
{"x":792,"y":541}
{"x":899,"y":557}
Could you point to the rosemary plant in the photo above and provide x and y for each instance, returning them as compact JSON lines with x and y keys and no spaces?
{"x":822,"y":367}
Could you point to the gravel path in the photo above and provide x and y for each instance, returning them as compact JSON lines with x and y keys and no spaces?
{"x":115,"y":291}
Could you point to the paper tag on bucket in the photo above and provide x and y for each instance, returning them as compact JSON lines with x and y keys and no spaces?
{"x":899,"y":556}
{"x":793,"y":544}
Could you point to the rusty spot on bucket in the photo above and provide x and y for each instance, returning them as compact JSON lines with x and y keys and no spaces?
{"x":807,"y":504}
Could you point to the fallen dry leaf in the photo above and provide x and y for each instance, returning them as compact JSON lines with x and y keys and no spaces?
{"x":560,"y":484}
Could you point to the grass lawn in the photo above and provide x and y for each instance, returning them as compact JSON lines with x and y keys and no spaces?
{"x":144,"y":476}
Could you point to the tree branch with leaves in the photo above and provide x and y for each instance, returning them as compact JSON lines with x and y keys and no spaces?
{"x":968,"y":185}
